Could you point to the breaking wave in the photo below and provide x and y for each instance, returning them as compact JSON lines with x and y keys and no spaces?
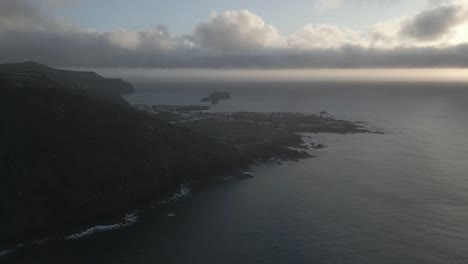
{"x":182,"y":193}
{"x":130,"y":219}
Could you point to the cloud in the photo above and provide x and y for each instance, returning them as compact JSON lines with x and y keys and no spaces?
{"x":324,"y":37}
{"x":234,"y":31}
{"x":157,"y":38}
{"x":435,"y":23}
{"x":27,"y":34}
{"x":18,"y":15}
{"x":233,"y":39}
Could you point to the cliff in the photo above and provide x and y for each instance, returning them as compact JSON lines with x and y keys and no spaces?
{"x":88,"y":82}
{"x":69,"y":160}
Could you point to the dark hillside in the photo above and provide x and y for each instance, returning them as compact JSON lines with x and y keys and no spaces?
{"x":68,"y":160}
{"x":89,"y":82}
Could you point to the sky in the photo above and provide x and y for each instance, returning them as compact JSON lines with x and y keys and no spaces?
{"x":181,"y":15}
{"x":236,"y":34}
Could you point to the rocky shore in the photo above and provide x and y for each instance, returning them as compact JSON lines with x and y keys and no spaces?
{"x":73,"y":156}
{"x":70,"y":160}
{"x":259,"y":136}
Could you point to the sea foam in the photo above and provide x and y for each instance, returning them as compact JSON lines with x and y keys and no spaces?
{"x":6,"y":252}
{"x":183,"y":192}
{"x":130,"y":219}
{"x":9,"y":251}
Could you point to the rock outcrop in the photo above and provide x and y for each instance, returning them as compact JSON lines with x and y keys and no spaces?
{"x":214,"y":98}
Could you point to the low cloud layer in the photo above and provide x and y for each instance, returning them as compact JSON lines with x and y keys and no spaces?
{"x":238,"y":39}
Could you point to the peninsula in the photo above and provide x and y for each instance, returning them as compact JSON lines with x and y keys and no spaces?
{"x":74,"y":153}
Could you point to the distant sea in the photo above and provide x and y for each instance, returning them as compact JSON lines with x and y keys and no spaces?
{"x":397,"y":198}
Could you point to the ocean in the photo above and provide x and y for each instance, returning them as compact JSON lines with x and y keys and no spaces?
{"x":401,"y":197}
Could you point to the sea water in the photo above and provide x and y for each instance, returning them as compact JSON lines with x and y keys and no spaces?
{"x":401,"y":197}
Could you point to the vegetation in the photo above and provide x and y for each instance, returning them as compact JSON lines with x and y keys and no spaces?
{"x":72,"y":155}
{"x":260,"y":136}
{"x":68,"y":160}
{"x":87,"y":82}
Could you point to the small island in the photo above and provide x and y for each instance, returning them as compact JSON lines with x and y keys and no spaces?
{"x":214,"y":98}
{"x":74,"y":154}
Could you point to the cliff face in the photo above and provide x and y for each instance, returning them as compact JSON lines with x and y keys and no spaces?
{"x":88,"y":82}
{"x":68,"y":160}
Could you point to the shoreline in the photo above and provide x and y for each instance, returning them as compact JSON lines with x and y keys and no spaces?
{"x":285,"y":142}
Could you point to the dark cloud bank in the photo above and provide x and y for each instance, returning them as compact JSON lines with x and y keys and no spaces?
{"x":235,"y":39}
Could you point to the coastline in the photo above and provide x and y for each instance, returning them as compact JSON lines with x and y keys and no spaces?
{"x":288,"y":150}
{"x":55,"y":189}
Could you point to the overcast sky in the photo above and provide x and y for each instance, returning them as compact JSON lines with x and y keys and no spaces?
{"x":236,"y":34}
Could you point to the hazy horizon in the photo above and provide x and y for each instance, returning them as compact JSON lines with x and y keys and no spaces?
{"x":287,"y":75}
